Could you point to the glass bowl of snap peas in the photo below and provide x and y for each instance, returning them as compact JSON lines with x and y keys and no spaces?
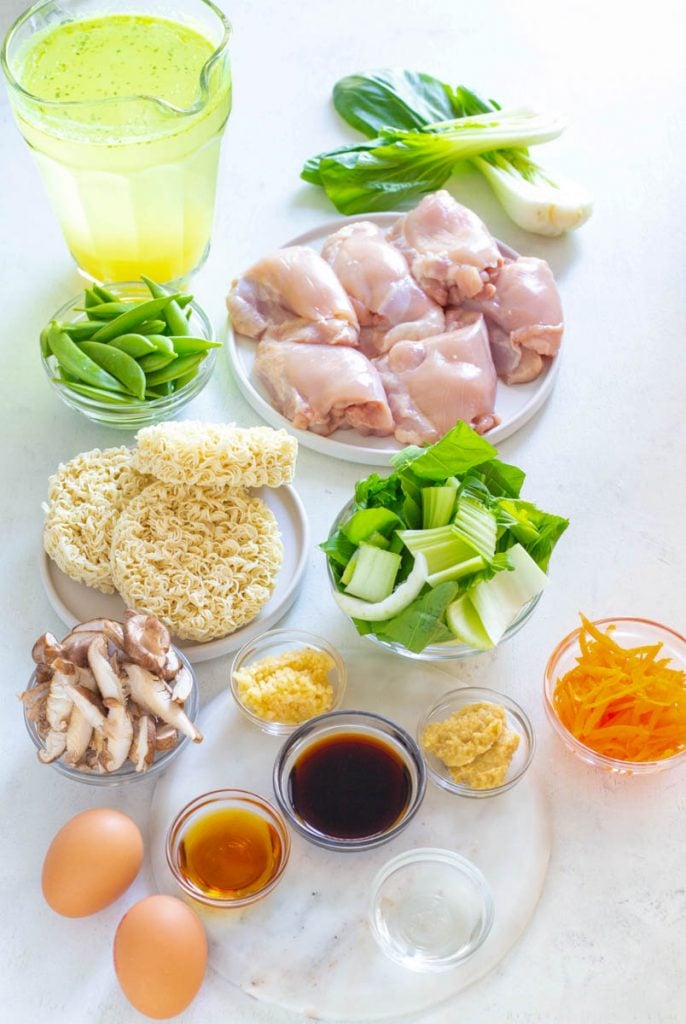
{"x":129,"y":354}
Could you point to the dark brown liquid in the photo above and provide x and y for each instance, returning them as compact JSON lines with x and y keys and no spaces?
{"x":350,"y":786}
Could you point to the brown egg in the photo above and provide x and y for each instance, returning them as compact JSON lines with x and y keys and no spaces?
{"x":160,"y":956}
{"x":92,"y":860}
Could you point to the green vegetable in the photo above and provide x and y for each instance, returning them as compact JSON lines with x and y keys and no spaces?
{"x":71,"y":358}
{"x":133,"y":344}
{"x":81,"y":330}
{"x":497,"y":602}
{"x":421,"y":131}
{"x":132,"y":318}
{"x":188,"y":346}
{"x":390,"y":606}
{"x":45,"y":342}
{"x":494,"y":537}
{"x":152,"y":327}
{"x":374,"y":573}
{"x":156,"y":361}
{"x":438,"y":505}
{"x":106,"y":310}
{"x":119,"y":364}
{"x":103,"y":294}
{"x":464,"y":622}
{"x":181,"y":366}
{"x":162,"y":343}
{"x":108,"y":397}
{"x":477,"y":524}
{"x":174,"y":317}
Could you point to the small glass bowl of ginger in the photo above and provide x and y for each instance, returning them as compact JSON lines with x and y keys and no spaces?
{"x":476,"y":742}
{"x":285,"y":677}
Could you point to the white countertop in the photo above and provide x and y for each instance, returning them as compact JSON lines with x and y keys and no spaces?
{"x":606,"y":944}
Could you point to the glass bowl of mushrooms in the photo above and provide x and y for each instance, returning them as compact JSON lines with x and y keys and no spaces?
{"x":112,"y":702}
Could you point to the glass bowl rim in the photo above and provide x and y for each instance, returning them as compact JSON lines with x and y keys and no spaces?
{"x":431,"y":855}
{"x":215,"y":796}
{"x":448,"y":650}
{"x":588,"y":754}
{"x":127,"y":772}
{"x":164,"y":404}
{"x":286,"y":634}
{"x":481,"y":694}
{"x":378,"y":724}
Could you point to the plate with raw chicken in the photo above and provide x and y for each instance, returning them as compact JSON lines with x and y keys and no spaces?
{"x":373,"y":332}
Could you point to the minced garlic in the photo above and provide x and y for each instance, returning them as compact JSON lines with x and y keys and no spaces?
{"x":289,"y":687}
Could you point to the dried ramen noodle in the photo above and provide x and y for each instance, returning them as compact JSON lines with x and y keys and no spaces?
{"x":85,"y":498}
{"x":204,"y":561}
{"x":216,"y":454}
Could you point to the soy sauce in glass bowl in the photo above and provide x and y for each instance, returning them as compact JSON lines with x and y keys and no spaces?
{"x":349,"y":780}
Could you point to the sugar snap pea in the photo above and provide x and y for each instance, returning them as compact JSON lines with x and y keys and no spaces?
{"x":44,"y":343}
{"x":188,"y":346}
{"x":161,"y":391}
{"x":179,"y":368}
{"x":81,"y":330}
{"x":103,"y":294}
{"x":119,"y":364}
{"x":176,"y":321}
{"x":73,"y":360}
{"x":135,"y":345}
{"x":156,"y":361}
{"x":106,"y":310}
{"x":132,"y":318}
{"x":163,"y":344}
{"x":90,"y":298}
{"x":108,"y":397}
{"x":184,"y":300}
{"x":152,"y":327}
{"x":181,"y":382}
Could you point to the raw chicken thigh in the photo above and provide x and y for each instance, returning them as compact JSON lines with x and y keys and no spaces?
{"x":524,"y":319}
{"x":293,"y":295}
{"x":388,"y":301}
{"x":322,"y":388}
{"x":449,"y":249}
{"x":436,"y":381}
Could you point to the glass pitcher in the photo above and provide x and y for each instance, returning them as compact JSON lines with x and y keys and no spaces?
{"x":131,"y":178}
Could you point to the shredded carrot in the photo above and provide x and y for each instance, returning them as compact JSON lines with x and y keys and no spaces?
{"x":625,"y":703}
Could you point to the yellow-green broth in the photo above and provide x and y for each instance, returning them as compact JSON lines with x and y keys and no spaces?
{"x":114,"y":56}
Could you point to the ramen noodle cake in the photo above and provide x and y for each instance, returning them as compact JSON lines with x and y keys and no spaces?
{"x":204,"y":560}
{"x":216,"y":454}
{"x":85,"y":498}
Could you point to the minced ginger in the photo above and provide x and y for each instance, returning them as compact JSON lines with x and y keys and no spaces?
{"x":474,"y":744}
{"x":290,"y":687}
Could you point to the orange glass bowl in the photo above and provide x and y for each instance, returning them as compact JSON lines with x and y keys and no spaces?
{"x":628,"y":632}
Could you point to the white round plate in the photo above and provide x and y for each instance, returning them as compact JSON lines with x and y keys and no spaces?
{"x":75,"y":602}
{"x":307,"y":946}
{"x":515,"y":404}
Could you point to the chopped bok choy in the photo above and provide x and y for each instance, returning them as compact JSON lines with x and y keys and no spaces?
{"x":405,"y":574}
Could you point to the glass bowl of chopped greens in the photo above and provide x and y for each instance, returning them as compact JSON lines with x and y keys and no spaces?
{"x":285,"y":677}
{"x":615,"y":694}
{"x":128,"y":354}
{"x":476,"y":742}
{"x":408,"y":632}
